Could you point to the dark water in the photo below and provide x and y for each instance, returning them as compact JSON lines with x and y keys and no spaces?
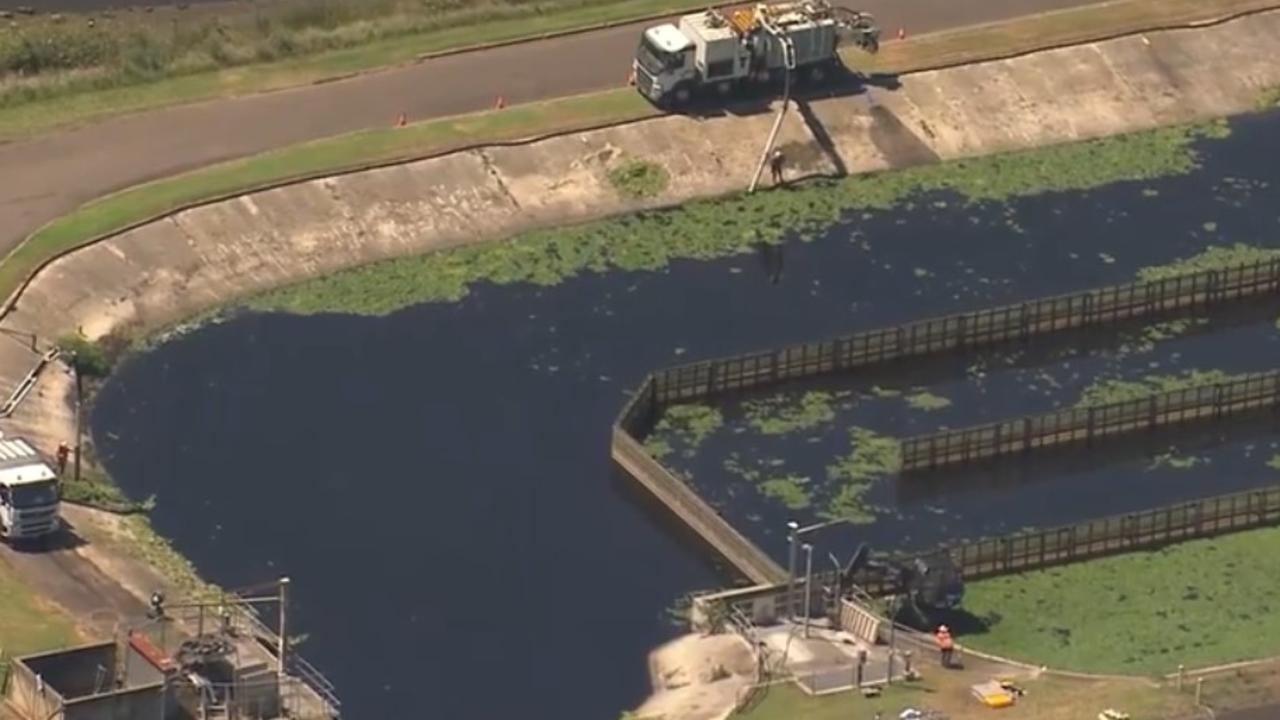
{"x":437,"y":482}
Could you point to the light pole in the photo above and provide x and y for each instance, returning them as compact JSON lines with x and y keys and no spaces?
{"x":808,"y":584}
{"x":893,"y":638}
{"x":793,"y":536}
{"x":75,"y":370}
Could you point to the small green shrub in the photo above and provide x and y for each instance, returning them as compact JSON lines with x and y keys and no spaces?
{"x":89,"y":358}
{"x":638,"y":179}
{"x":97,"y":490}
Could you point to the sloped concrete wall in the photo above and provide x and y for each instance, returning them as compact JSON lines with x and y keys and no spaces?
{"x":203,"y":257}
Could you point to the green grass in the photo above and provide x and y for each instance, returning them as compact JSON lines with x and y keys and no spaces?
{"x":325,"y":156}
{"x":734,"y":225}
{"x":638,"y":179}
{"x":392,"y":39}
{"x":1197,"y":603}
{"x":27,"y":624}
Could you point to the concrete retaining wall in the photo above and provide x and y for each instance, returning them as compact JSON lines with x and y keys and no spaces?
{"x":203,"y":257}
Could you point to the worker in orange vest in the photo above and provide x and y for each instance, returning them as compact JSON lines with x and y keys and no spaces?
{"x":946,"y":646}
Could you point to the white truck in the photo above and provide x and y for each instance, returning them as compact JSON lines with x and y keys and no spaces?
{"x":720,"y":51}
{"x":29,"y":500}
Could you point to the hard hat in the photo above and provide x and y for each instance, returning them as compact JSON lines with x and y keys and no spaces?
{"x":943,"y":629}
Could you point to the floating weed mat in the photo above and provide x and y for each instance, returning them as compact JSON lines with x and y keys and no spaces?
{"x":735,"y":225}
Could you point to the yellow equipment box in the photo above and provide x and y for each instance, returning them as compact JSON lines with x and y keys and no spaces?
{"x":993,"y":695}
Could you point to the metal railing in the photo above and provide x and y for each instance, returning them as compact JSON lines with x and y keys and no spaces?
{"x":1089,"y":423}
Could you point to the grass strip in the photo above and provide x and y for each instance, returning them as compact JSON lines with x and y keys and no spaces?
{"x":1197,"y":603}
{"x":347,"y":152}
{"x":529,"y":22}
{"x":1072,"y":26}
{"x":27,"y":624}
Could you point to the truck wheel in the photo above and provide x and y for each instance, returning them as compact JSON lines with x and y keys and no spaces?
{"x":681,"y":95}
{"x":724,"y":88}
{"x":817,"y":74}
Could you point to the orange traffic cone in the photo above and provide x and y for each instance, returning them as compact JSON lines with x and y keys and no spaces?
{"x":402,"y":120}
{"x":499,"y":103}
{"x":902,"y":33}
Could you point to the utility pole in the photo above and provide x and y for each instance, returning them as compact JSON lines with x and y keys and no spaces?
{"x":284,"y":638}
{"x":893,"y":638}
{"x":793,"y":536}
{"x":75,"y":370}
{"x":808,"y":585}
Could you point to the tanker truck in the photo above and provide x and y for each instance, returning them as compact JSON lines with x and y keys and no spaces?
{"x":720,"y":52}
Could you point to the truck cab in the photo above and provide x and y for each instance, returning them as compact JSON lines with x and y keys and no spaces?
{"x":664,"y":61}
{"x":29,"y":498}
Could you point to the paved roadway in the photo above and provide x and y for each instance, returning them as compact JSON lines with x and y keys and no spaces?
{"x":45,"y":177}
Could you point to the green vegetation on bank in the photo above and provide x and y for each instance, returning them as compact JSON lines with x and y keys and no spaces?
{"x":1196,"y":603}
{"x":54,"y":72}
{"x":638,"y":179}
{"x":736,"y":224}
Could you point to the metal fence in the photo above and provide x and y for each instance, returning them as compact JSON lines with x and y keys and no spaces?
{"x":1037,"y":549}
{"x":1121,"y":533}
{"x":979,"y":328}
{"x":1086,"y":424}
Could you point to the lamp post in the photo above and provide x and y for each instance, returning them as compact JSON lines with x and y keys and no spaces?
{"x":793,"y":529}
{"x":75,"y":371}
{"x":808,"y":584}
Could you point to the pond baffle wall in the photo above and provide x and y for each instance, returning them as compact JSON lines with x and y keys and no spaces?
{"x":977,"y":329}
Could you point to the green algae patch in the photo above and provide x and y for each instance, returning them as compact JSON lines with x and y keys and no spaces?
{"x":734,"y":225}
{"x":683,"y":427}
{"x":1174,"y":460}
{"x":927,"y":401}
{"x":1196,"y":603}
{"x":784,"y":414}
{"x":766,"y":476}
{"x":1213,"y":257}
{"x":873,"y":456}
{"x":1112,"y":390}
{"x":790,"y":490}
{"x":638,"y":179}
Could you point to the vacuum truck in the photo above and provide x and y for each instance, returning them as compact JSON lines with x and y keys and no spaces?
{"x":722,"y":51}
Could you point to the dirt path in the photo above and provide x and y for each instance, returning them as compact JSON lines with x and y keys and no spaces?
{"x":47,"y":176}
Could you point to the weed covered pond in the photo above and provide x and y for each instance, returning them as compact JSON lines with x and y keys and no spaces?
{"x":424,"y":450}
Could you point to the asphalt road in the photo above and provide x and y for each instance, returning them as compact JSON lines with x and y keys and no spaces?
{"x":45,"y":177}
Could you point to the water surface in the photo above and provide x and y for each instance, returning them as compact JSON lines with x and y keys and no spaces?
{"x":437,"y":482}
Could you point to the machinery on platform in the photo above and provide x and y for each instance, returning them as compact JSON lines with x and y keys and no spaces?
{"x":931,"y":584}
{"x":29,"y":499}
{"x":720,"y":51}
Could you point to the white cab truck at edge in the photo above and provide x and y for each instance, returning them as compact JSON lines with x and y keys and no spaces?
{"x":29,"y":498}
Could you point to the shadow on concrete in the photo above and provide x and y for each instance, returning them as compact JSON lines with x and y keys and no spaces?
{"x":65,"y":539}
{"x":844,"y":82}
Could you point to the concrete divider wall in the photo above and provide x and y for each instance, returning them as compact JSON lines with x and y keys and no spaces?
{"x":160,"y":273}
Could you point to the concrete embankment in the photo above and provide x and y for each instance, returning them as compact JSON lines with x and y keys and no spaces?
{"x":196,"y":259}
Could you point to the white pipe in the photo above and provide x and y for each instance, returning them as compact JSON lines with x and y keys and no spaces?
{"x":773,"y":134}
